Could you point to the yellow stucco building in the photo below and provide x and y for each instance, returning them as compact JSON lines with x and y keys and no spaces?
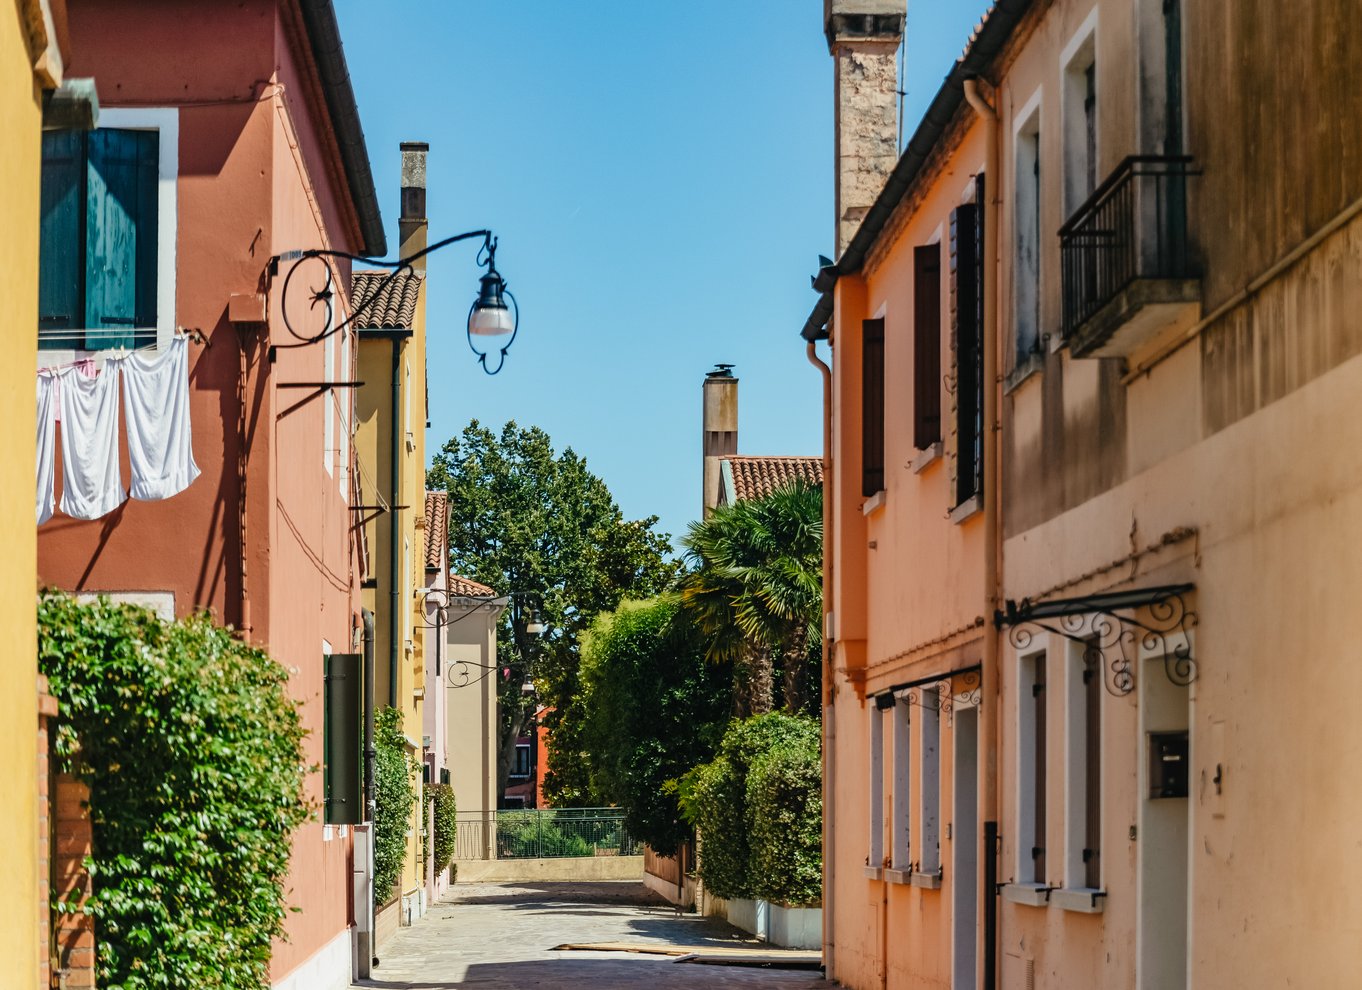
{"x":391,"y":413}
{"x":30,"y":62}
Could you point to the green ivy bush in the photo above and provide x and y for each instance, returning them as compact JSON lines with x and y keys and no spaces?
{"x":394,"y":799}
{"x":192,"y":750}
{"x":758,"y":808}
{"x":446,"y":826}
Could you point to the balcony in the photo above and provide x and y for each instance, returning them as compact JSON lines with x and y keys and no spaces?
{"x":1128,"y":279}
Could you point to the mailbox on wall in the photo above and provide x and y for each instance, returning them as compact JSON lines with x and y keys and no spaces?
{"x":1168,"y":764}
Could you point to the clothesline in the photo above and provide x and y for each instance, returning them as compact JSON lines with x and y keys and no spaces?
{"x":191,"y":334}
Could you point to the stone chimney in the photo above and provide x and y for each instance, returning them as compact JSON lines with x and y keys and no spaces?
{"x":412,"y":226}
{"x":721,"y":427}
{"x":863,"y":37}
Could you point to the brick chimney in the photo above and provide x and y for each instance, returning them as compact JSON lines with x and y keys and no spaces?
{"x":721,"y":427}
{"x":863,"y":37}
{"x":412,"y":226}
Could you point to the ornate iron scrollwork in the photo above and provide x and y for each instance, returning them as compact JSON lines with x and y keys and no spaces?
{"x":1114,"y":628}
{"x":964,"y":689}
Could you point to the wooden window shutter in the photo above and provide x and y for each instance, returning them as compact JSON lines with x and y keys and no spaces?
{"x":120,"y":234}
{"x":61,"y":235}
{"x":343,"y":739}
{"x":926,"y":346}
{"x":967,"y":228}
{"x":872,"y":406}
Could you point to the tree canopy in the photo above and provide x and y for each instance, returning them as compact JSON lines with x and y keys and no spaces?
{"x":528,"y":520}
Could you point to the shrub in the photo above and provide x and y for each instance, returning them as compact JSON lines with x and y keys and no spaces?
{"x":758,"y":809}
{"x":446,"y":825}
{"x":394,"y":797}
{"x":192,"y":751}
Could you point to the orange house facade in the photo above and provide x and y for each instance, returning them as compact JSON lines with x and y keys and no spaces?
{"x":253,"y":152}
{"x":1091,"y":570}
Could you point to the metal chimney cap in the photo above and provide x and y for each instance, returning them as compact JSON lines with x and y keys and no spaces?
{"x":720,"y":371}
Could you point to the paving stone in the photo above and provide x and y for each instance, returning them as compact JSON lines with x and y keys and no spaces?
{"x":501,"y":937}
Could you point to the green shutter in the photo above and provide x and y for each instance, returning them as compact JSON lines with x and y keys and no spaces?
{"x":120,"y":236}
{"x":342,"y":739}
{"x":61,"y":238}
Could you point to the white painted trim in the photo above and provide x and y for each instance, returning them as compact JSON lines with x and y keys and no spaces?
{"x":901,"y":813}
{"x":1079,"y":39}
{"x":936,"y":235}
{"x":326,"y":969}
{"x":1030,"y":110}
{"x":875,"y":847}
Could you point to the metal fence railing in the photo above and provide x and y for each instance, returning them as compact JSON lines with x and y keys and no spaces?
{"x":548,"y":833}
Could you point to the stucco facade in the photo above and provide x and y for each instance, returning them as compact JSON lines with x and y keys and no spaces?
{"x":263,"y":538}
{"x":1158,"y":624}
{"x":30,"y":62}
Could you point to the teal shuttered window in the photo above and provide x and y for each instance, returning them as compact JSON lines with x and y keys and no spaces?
{"x":97,"y":277}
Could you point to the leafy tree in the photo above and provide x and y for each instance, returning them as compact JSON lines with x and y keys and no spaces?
{"x":525,"y":519}
{"x":652,"y":709}
{"x":755,"y":591}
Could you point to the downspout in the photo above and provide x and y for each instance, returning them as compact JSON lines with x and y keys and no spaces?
{"x":829,"y":711}
{"x":992,"y":492}
{"x":370,"y":753}
{"x":395,"y":528}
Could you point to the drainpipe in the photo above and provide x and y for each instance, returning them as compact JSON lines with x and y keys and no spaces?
{"x":370,"y":753}
{"x":829,"y":722}
{"x":992,"y":491}
{"x":395,"y":528}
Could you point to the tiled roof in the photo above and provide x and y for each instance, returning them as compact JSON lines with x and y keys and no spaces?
{"x":470,"y":589}
{"x":393,"y":307}
{"x":436,"y":529}
{"x":756,"y":477}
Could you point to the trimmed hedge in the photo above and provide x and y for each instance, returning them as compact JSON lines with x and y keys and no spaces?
{"x":446,"y":826}
{"x":192,"y":750}
{"x":759,"y":811}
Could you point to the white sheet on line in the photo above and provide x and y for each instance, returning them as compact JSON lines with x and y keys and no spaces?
{"x":92,"y":484}
{"x":156,"y":416}
{"x":47,"y":446}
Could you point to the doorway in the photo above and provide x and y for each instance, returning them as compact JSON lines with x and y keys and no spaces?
{"x":965,"y":848}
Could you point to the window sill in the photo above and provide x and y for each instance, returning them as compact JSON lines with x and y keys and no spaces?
{"x":1032,"y":894}
{"x":1083,"y":900}
{"x":972,"y":506}
{"x":926,"y":458}
{"x":874,"y":503}
{"x":873,"y":872}
{"x":927,"y":881}
{"x":1030,"y":365}
{"x":897,"y":876}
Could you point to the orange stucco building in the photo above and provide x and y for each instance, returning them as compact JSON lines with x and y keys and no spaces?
{"x":259,"y":153}
{"x":1092,"y":524}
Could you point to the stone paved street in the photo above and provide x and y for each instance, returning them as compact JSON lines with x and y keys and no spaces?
{"x":501,"y":937}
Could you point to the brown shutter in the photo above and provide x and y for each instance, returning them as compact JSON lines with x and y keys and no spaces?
{"x":872,"y":406}
{"x":926,"y":346}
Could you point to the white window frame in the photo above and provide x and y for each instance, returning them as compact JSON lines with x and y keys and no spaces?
{"x":929,"y":778}
{"x":329,"y":375}
{"x":899,"y":828}
{"x":1024,"y":768}
{"x":1075,"y":766}
{"x":874,"y":859}
{"x":343,"y":399}
{"x":1077,"y":55}
{"x":1027,"y":222}
{"x":166,"y":121}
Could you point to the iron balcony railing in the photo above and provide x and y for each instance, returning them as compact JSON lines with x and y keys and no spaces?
{"x":549,"y":833}
{"x":1133,"y":226}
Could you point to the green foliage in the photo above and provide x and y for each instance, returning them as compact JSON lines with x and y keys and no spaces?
{"x":530,"y":835}
{"x":394,"y":798}
{"x":755,"y":591}
{"x":526,"y":519}
{"x":446,"y":825}
{"x":192,"y":750}
{"x":652,"y":708}
{"x":758,"y":808}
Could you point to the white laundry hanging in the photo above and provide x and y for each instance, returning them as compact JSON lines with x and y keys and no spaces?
{"x":47,"y":445}
{"x":156,"y":414}
{"x":92,"y":484}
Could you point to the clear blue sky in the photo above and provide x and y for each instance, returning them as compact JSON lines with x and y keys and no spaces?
{"x":660,"y":176}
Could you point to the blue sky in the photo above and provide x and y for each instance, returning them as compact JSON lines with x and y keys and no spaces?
{"x":660,"y":177}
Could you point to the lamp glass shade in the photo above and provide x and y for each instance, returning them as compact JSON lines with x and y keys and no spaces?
{"x":490,"y":321}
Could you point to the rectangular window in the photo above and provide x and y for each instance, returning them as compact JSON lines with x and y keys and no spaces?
{"x":929,"y":856}
{"x":343,"y":399}
{"x":522,"y":761}
{"x":926,"y":346}
{"x":328,"y":398}
{"x":899,"y":833}
{"x":1092,"y":790}
{"x":1032,"y":753}
{"x":967,"y":303}
{"x":1027,"y":246}
{"x":875,"y":852}
{"x":872,"y":406}
{"x":1080,"y":116}
{"x":97,"y":285}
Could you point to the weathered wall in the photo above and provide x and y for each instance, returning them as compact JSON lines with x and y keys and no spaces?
{"x":20,"y":170}
{"x":471,"y":710}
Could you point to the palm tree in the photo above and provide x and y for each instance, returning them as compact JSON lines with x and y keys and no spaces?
{"x":755,"y":591}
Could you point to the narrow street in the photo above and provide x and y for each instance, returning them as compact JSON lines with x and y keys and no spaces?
{"x":504,"y":937}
